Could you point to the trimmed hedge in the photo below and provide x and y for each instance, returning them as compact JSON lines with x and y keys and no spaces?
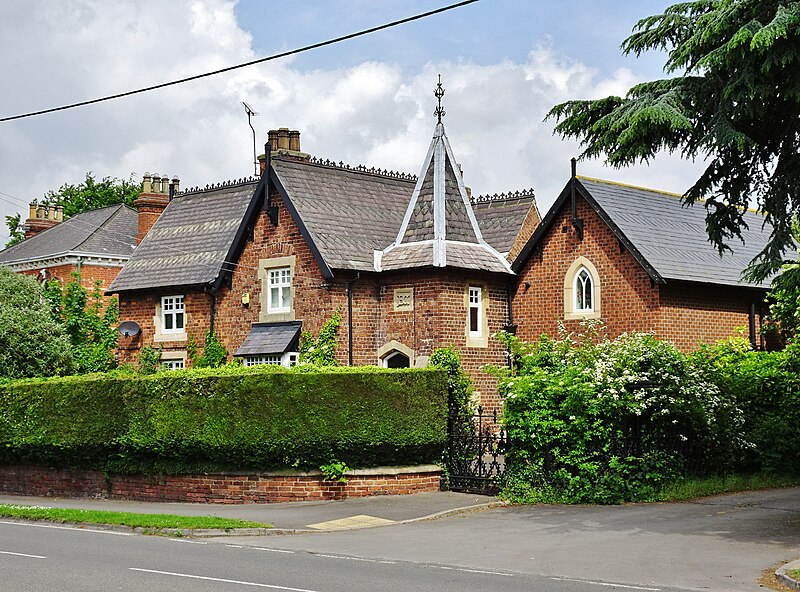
{"x":229,"y":418}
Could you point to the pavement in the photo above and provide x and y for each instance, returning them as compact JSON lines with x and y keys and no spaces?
{"x":293,"y":517}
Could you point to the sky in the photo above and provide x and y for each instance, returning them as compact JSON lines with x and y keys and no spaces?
{"x":504,"y":64}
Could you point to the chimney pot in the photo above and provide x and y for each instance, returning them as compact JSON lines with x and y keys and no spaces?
{"x":165,"y":184}
{"x":176,"y":183}
{"x":51,"y":212}
{"x":147,"y":183}
{"x":156,"y":183}
{"x":294,"y":140}
{"x":32,"y":209}
{"x":60,"y":213}
{"x":283,"y":138}
{"x":41,"y":212}
{"x":272,"y":139}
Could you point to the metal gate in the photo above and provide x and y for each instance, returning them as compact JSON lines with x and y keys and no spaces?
{"x":476,"y":448}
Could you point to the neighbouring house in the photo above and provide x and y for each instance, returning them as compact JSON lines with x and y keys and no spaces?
{"x":638,"y":260}
{"x":94,"y":244}
{"x":410,"y":263}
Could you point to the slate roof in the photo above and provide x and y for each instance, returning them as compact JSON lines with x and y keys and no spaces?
{"x":104,"y":232}
{"x":271,"y":338}
{"x":347,"y":213}
{"x":439,"y":213}
{"x":500,"y":217}
{"x":669,"y":239}
{"x":189,"y":242}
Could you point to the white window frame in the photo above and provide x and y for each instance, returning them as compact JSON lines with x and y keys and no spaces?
{"x":578,"y":289}
{"x":475,"y":302}
{"x":171,"y":307}
{"x":279,"y":279}
{"x":176,"y":364}
{"x":288,"y":359}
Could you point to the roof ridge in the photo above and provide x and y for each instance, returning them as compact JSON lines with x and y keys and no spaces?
{"x":659,"y":191}
{"x":502,"y":196}
{"x":220,"y":185}
{"x":361,"y":168}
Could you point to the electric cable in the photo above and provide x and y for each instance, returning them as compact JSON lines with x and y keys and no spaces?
{"x":244,"y":65}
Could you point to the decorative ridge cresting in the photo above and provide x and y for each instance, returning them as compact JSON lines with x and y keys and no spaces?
{"x":362,"y":169}
{"x":502,"y":196}
{"x":220,"y":185}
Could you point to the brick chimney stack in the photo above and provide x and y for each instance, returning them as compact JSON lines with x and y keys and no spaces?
{"x":155,"y":195}
{"x":285,"y":143}
{"x":41,"y":217}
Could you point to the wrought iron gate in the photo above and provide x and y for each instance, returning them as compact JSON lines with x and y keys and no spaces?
{"x":476,"y":450}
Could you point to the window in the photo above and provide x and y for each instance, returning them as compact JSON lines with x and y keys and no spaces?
{"x":583,"y":291}
{"x":287,"y":359}
{"x":172,"y":364}
{"x":475,"y":313}
{"x":279,"y":287}
{"x":397,"y":360}
{"x":172,"y":314}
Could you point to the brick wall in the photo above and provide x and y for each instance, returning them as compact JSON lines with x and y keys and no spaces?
{"x":692,"y":314}
{"x":628,"y":300}
{"x":216,"y":488}
{"x":89,"y":274}
{"x":681,"y":312}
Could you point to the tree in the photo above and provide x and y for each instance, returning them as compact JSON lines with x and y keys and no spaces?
{"x":88,"y":195}
{"x":732,"y":96}
{"x":90,"y":324}
{"x":16,"y":233}
{"x":32,"y":343}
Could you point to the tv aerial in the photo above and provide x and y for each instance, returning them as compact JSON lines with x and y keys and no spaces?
{"x":250,"y":113}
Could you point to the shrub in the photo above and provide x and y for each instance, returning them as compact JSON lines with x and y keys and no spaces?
{"x":459,"y":386}
{"x":322,"y":350}
{"x":583,"y":432}
{"x":214,"y":353}
{"x":90,"y":324}
{"x":32,"y":343}
{"x":226,"y":418}
{"x":766,"y":385}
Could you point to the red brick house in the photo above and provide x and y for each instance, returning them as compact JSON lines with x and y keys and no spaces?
{"x":410,"y":263}
{"x":638,"y":260}
{"x":94,"y":244}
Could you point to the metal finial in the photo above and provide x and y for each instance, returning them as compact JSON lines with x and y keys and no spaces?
{"x":439,"y":93}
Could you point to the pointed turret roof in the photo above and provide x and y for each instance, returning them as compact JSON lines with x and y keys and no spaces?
{"x":439,"y":228}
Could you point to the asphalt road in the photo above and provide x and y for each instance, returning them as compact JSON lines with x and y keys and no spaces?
{"x":717,"y":544}
{"x":38,"y":558}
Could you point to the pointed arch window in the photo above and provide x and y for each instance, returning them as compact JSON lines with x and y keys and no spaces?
{"x":583,"y":291}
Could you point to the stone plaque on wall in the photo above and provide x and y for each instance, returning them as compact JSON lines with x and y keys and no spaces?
{"x":403,"y":299}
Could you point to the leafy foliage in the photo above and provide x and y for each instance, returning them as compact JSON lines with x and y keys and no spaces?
{"x":459,"y":386}
{"x":734,"y":96}
{"x":587,"y":428}
{"x":16,"y":233}
{"x":32,"y":343}
{"x":766,"y":386}
{"x":322,"y":350}
{"x":214,"y":353}
{"x":90,"y":324}
{"x":335,"y":471}
{"x":149,"y":360}
{"x":228,"y":418}
{"x":92,"y":194}
{"x":784,"y":302}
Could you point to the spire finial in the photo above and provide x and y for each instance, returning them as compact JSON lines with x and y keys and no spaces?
{"x":439,"y":93}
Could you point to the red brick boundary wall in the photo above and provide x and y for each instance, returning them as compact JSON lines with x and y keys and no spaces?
{"x":218,"y":488}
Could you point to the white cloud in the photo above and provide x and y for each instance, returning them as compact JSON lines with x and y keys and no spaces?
{"x":370,"y":113}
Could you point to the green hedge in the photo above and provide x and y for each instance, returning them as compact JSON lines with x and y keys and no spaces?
{"x":225,"y":419}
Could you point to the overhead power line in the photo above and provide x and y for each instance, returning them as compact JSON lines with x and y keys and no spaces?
{"x":244,"y":65}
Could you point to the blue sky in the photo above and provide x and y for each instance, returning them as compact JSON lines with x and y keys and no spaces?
{"x":504,"y":64}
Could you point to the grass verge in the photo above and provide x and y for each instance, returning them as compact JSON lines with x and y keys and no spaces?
{"x":794,"y":574}
{"x":149,"y":521}
{"x":692,"y":487}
